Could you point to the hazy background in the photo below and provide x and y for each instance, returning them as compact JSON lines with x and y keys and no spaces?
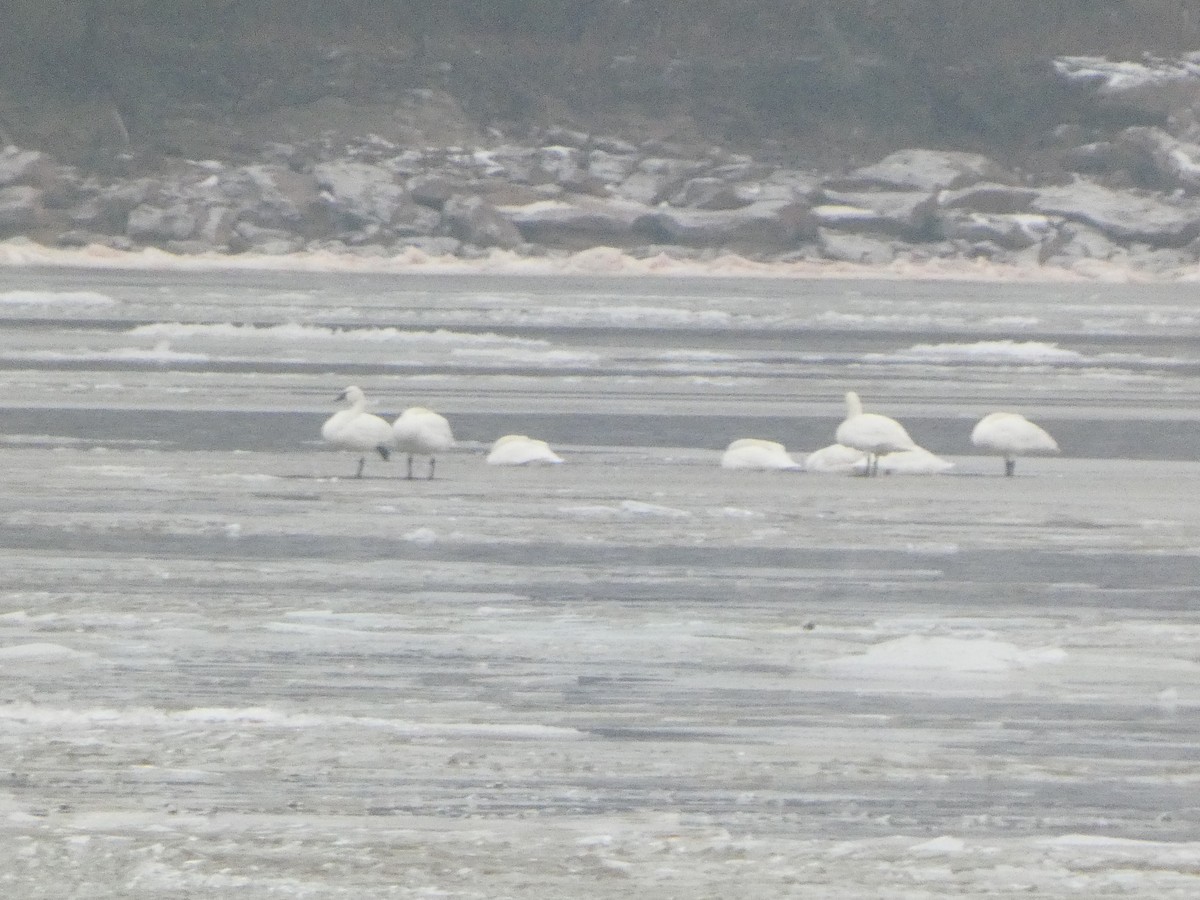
{"x":818,"y":82}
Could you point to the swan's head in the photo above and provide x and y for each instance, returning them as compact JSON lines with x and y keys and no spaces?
{"x":353,"y":394}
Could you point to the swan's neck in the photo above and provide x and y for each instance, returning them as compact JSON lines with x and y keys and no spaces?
{"x":853,"y":405}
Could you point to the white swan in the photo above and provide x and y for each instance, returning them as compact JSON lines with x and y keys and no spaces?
{"x":357,"y":429}
{"x":842,"y":460}
{"x":521,"y":450}
{"x":755,"y":453}
{"x":422,"y":432}
{"x":1011,"y":435}
{"x":836,"y":459}
{"x":871,"y":433}
{"x":917,"y":461}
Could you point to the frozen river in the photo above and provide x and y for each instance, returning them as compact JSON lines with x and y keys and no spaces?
{"x":228,"y":669}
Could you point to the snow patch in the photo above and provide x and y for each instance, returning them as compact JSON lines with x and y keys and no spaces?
{"x":638,"y":508}
{"x":55,"y":298}
{"x":1115,"y":77}
{"x":42,"y":653}
{"x":922,"y":653}
{"x":291,"y":333}
{"x":1006,"y":351}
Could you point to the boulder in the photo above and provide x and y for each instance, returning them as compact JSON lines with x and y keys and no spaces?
{"x":63,"y":188}
{"x":1138,"y":92}
{"x":855,"y":248}
{"x":610,"y":168}
{"x":710,"y":193}
{"x":432,"y":246}
{"x":107,"y":211}
{"x":988,"y":198}
{"x":434,"y":189}
{"x":1098,"y":157}
{"x":564,"y":166}
{"x":150,"y":224}
{"x":576,"y":222}
{"x":1164,"y":261}
{"x":655,"y":178}
{"x":361,"y":195}
{"x":906,"y":214}
{"x":767,"y":224}
{"x":30,"y":167}
{"x":1010,"y":231}
{"x":922,"y":170}
{"x":247,"y":237}
{"x":1161,"y":161}
{"x":1073,"y":242}
{"x":783,"y":184}
{"x":475,"y":221}
{"x":1123,"y":216}
{"x":566,"y":137}
{"x":616,"y":145}
{"x":216,"y":225}
{"x":516,"y":165}
{"x":20,"y":209}
{"x":275,"y":197}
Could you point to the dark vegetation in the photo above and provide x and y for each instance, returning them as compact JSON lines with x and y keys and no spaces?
{"x":828,"y":82}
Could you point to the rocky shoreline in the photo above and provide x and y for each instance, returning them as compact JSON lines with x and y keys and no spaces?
{"x":1127,"y":198}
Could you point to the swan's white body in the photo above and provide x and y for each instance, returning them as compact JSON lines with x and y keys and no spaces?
{"x":358,"y":430}
{"x":871,"y":433}
{"x":839,"y":459}
{"x":1011,"y":435}
{"x":422,"y":432}
{"x":755,"y":453}
{"x":521,"y":450}
{"x":836,"y":459}
{"x":917,"y":461}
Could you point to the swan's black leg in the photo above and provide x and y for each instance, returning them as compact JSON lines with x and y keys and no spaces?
{"x":432,"y":463}
{"x":361,"y":462}
{"x":1010,"y":466}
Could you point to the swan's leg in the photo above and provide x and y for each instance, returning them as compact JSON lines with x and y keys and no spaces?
{"x":410,"y":467}
{"x":383,"y":451}
{"x":432,"y":463}
{"x":362,"y":461}
{"x":1010,"y":466}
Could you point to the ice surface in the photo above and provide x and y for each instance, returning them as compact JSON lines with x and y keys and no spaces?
{"x":230,"y":669}
{"x":55,"y":298}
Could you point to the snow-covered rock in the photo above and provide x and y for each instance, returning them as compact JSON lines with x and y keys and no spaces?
{"x":907,"y":214}
{"x":475,"y":221}
{"x":922,"y":170}
{"x":1122,"y":215}
{"x":20,"y":208}
{"x":764,"y":224}
{"x":576,"y":220}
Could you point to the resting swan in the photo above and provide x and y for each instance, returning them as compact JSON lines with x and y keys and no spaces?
{"x":357,"y":429}
{"x":839,"y":459}
{"x":422,"y":432}
{"x":755,"y":453}
{"x":521,"y":450}
{"x":1011,"y":435}
{"x":871,"y":433}
{"x":917,"y":461}
{"x":836,"y":459}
